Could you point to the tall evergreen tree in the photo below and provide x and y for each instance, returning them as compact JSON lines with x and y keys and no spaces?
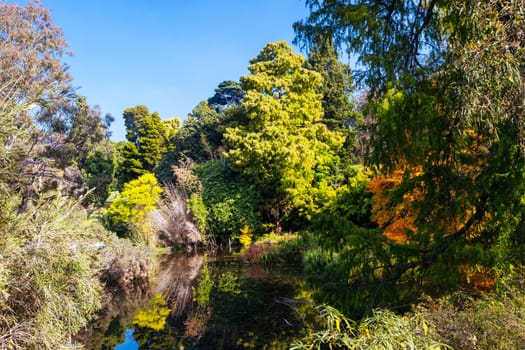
{"x":200,"y":137}
{"x":339,"y":112}
{"x":283,"y":146}
{"x":147,"y":143}
{"x":228,"y":93}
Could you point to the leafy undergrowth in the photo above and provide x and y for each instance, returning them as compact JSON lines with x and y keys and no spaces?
{"x":491,"y":322}
{"x":456,"y":321}
{"x":383,"y":330}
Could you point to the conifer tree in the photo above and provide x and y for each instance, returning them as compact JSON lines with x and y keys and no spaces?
{"x":283,"y":145}
{"x":147,"y":143}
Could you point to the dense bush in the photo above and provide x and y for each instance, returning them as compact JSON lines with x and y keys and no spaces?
{"x":384,"y":330}
{"x":229,"y":200}
{"x":491,"y":322}
{"x":55,"y":265}
{"x":278,"y":249}
{"x":456,"y":321}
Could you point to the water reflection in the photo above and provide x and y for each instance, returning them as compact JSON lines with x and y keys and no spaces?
{"x":202,"y":302}
{"x":177,"y":279}
{"x":129,"y":342}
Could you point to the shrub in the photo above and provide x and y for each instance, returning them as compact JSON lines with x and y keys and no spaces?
{"x":198,"y":211}
{"x":230,"y":202}
{"x":491,"y":322}
{"x":49,"y":286}
{"x":126,"y":267}
{"x":384,"y":330}
{"x":273,"y":248}
{"x":127,"y":214}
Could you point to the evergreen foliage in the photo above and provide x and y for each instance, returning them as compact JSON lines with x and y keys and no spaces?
{"x":200,"y":136}
{"x":148,"y":141}
{"x":228,"y":93}
{"x":283,"y":146}
{"x":229,"y":200}
{"x":99,"y":171}
{"x":440,"y":206}
{"x":339,"y":112}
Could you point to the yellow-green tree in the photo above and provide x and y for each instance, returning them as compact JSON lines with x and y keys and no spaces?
{"x":283,"y":145}
{"x":127,"y":215}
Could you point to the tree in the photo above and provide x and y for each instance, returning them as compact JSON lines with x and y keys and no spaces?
{"x":99,"y":170}
{"x":447,"y":101}
{"x":339,"y":112}
{"x":147,"y":132}
{"x":129,"y":164}
{"x":200,"y":137}
{"x":47,"y":130}
{"x":228,"y":93}
{"x":283,"y":146}
{"x":80,"y":132}
{"x":171,"y":126}
{"x":33,"y":80}
{"x":147,"y":143}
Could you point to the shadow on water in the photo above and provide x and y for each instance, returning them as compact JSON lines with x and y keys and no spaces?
{"x":208,"y":302}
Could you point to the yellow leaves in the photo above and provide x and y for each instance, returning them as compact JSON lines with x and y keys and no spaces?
{"x":283,"y":145}
{"x":155,"y":316}
{"x":338,"y":325}
{"x":138,"y":198}
{"x":392,"y":98}
{"x":246,"y":236}
{"x":367,"y":333}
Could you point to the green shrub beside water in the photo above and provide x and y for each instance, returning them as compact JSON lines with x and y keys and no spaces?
{"x":273,"y":248}
{"x":51,"y":259}
{"x":50,"y":262}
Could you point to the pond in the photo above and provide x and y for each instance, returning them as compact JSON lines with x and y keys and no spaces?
{"x":208,"y":302}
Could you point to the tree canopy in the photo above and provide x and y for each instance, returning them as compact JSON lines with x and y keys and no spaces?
{"x":283,"y":146}
{"x":228,"y":93}
{"x":446,"y":97}
{"x":340,"y":113}
{"x":148,"y":141}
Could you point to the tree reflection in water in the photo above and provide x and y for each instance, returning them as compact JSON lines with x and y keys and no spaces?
{"x":216,"y":303}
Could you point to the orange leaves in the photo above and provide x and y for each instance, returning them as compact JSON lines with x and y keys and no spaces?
{"x":478,"y":277}
{"x":397,"y":219}
{"x":397,"y":216}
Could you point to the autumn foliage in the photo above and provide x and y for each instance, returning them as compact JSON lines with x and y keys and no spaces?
{"x":397,"y":219}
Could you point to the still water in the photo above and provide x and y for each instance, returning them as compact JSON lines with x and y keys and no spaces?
{"x":207,"y":302}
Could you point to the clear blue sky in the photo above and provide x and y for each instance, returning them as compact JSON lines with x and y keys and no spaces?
{"x":165,"y":54}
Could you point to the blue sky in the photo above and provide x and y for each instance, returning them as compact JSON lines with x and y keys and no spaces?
{"x":165,"y":54}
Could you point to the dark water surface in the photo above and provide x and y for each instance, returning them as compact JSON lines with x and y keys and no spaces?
{"x":208,"y":302}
